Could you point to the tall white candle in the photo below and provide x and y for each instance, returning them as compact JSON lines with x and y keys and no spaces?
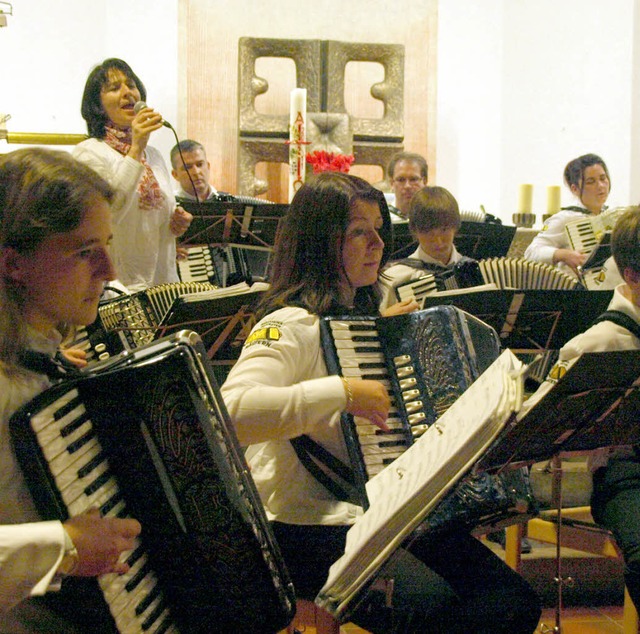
{"x":297,"y":139}
{"x":525,"y":198}
{"x":553,"y":199}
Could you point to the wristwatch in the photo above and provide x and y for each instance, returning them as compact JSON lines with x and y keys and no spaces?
{"x":70,"y":558}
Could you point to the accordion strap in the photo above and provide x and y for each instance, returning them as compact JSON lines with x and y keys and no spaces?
{"x":336,"y":476}
{"x":621,"y":319}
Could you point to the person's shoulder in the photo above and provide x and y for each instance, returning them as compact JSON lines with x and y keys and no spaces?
{"x":283,"y":327}
{"x":290,"y":317}
{"x":90,"y":143}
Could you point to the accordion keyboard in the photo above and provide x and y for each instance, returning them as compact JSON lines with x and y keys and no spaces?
{"x":585,"y":234}
{"x":199,"y":265}
{"x":582,"y":236}
{"x":360,"y":355}
{"x":84,"y":480}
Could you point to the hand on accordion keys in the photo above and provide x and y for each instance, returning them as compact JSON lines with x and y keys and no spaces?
{"x":368,"y":399}
{"x":100,"y":541}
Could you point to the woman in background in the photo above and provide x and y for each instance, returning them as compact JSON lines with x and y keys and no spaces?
{"x":327,"y":258}
{"x":146,"y":220}
{"x":55,"y":228}
{"x":588,"y":179}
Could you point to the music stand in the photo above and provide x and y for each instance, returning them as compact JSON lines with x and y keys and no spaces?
{"x":586,"y":409}
{"x":246,"y":225}
{"x":223,"y":324}
{"x":600,"y":254}
{"x":477,"y":240}
{"x":531,"y":321}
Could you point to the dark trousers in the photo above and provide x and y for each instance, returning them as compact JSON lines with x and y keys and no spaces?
{"x":449,"y":583}
{"x":615,"y":504}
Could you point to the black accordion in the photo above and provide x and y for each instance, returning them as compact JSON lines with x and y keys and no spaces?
{"x":427,"y":359}
{"x":463,"y":274}
{"x":146,"y":435}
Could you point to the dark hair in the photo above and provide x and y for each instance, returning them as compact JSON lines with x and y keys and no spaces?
{"x":308,"y":250}
{"x":433,"y":208}
{"x":574,"y":171}
{"x":412,"y":158}
{"x":625,"y":241}
{"x":42,"y":193}
{"x":187,"y":145}
{"x":92,"y":111}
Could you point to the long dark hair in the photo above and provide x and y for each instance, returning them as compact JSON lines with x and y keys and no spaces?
{"x":308,"y":251}
{"x":92,"y":111}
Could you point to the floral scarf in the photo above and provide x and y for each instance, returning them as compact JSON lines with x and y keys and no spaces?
{"x":150,"y":194}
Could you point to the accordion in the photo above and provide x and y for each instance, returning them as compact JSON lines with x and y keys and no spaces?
{"x":462,"y":274}
{"x":524,"y":274}
{"x":223,"y":266}
{"x":130,"y":321}
{"x":146,"y":435}
{"x":584,"y":234}
{"x":501,"y":273}
{"x":427,"y":359}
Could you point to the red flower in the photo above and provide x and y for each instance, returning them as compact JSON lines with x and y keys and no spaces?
{"x":323,"y":161}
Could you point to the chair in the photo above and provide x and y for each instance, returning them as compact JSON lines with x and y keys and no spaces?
{"x":308,"y":614}
{"x":570,"y":527}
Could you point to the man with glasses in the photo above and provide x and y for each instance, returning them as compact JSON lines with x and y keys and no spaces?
{"x":407,"y":173}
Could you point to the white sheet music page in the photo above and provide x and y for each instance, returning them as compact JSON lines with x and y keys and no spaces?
{"x":403,"y":494}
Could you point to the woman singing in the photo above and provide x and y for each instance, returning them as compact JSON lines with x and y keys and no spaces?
{"x":146,"y":220}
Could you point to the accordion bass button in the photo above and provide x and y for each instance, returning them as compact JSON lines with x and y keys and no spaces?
{"x":410,"y":395}
{"x":405,"y":372}
{"x":414,"y":406}
{"x":414,"y":419}
{"x":401,"y":360}
{"x":405,"y":384}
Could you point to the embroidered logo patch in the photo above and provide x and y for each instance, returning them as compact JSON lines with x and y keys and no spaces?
{"x":263,"y":336}
{"x":557,"y":371}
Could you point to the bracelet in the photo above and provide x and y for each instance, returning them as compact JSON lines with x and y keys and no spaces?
{"x":348,"y":392}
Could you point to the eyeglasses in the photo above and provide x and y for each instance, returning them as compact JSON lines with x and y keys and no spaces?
{"x":412,"y":180}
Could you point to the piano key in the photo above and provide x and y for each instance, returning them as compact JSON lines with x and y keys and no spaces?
{"x":81,"y":503}
{"x":398,"y":438}
{"x":395,"y":448}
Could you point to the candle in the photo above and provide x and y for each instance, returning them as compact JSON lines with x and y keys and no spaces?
{"x":297,"y":139}
{"x":525,"y":196}
{"x":553,"y":199}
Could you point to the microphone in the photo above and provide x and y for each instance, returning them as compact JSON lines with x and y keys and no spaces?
{"x":139,"y":105}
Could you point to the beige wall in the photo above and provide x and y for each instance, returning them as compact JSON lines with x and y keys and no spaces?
{"x":208,"y":50}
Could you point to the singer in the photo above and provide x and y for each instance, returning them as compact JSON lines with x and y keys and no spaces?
{"x":146,"y":221}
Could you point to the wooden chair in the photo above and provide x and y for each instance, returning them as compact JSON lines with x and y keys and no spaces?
{"x":571,"y":527}
{"x":308,"y":614}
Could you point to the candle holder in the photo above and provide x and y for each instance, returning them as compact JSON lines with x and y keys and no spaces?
{"x":524,"y":220}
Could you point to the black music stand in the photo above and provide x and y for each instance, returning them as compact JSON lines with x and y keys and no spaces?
{"x":586,"y":409}
{"x":530,"y":321}
{"x":600,"y":254}
{"x":477,"y":240}
{"x":246,"y":225}
{"x":223,"y":324}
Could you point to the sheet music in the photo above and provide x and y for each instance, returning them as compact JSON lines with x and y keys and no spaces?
{"x":402,"y":494}
{"x":228,"y":291}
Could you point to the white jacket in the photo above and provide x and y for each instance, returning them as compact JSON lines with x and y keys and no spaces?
{"x":277,"y":390}
{"x":143,"y":248}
